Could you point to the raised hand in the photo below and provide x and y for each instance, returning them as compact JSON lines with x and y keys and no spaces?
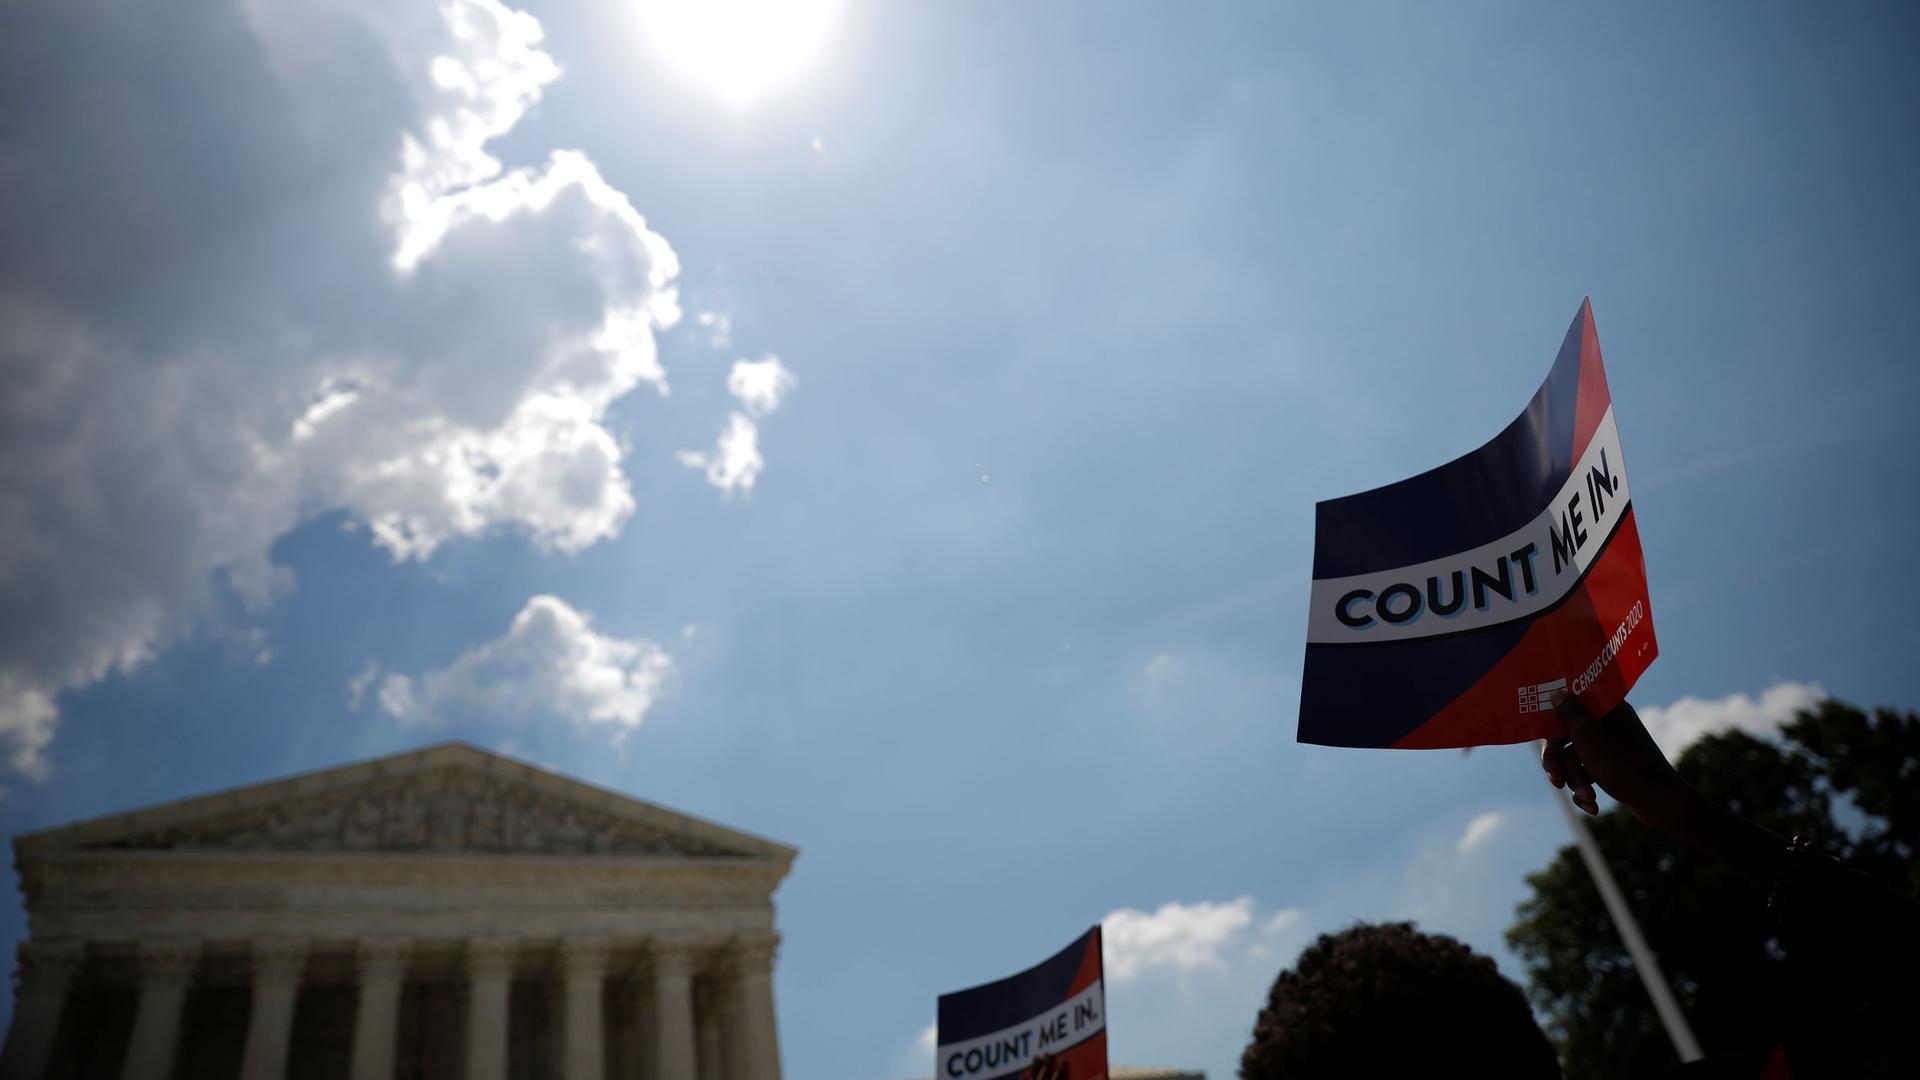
{"x":1047,"y":1068}
{"x":1616,"y":753}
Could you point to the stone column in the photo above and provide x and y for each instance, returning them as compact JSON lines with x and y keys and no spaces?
{"x":635,"y":1010}
{"x":754,"y":1037}
{"x":489,"y":987}
{"x":47,"y":973}
{"x":166,"y":968}
{"x":383,"y":968}
{"x":277,"y":967}
{"x":584,"y":970}
{"x":716,"y":1058}
{"x":672,"y":1011}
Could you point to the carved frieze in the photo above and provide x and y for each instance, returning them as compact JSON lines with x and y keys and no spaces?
{"x":443,"y":810}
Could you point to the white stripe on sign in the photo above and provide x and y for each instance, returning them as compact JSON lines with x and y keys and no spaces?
{"x":1510,"y":578}
{"x":1007,"y":1051}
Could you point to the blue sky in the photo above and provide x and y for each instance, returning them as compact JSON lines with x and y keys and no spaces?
{"x":991,"y":599}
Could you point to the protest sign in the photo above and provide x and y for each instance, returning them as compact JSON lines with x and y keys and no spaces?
{"x":1054,"y":1013}
{"x":1450,"y":608}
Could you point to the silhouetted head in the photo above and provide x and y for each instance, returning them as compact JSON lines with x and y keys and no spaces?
{"x":1388,"y":1000}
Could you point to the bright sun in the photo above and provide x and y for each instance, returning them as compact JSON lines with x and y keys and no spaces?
{"x":741,"y":48}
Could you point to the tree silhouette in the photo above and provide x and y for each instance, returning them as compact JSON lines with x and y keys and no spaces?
{"x":1387,"y":1000}
{"x":1847,"y":781}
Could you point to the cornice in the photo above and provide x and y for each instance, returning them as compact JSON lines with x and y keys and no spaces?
{"x":465,"y":758}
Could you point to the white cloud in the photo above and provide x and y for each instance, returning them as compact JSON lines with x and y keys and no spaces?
{"x":719,"y":328}
{"x":1677,"y":726}
{"x":358,"y":685}
{"x":397,"y":697}
{"x":492,"y":72}
{"x":759,"y":384}
{"x":550,"y":663}
{"x":735,"y":463}
{"x":1278,"y":927}
{"x":27,"y":719}
{"x":1194,"y":975}
{"x":1281,"y":922}
{"x":1478,"y":830}
{"x":1159,"y":666}
{"x":916,"y":1058}
{"x":1179,"y":936}
{"x":437,"y":363}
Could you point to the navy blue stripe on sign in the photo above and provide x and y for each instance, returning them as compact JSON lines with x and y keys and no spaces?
{"x":1428,"y":673}
{"x":1377,"y":695}
{"x":1507,"y":483}
{"x":965,"y":1014}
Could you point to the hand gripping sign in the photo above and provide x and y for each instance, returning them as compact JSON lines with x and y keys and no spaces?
{"x":1450,"y":608}
{"x":1046,"y":1023}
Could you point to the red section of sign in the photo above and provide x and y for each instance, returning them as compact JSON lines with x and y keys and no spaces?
{"x":1087,"y":1061}
{"x":1593,"y":399}
{"x":1581,"y":641}
{"x":1091,"y":966}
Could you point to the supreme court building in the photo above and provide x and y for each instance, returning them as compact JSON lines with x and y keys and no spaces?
{"x":441,"y":913}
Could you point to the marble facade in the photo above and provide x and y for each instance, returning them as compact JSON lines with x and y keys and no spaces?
{"x":441,"y":913}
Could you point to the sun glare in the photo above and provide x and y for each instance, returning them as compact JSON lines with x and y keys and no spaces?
{"x":741,"y":48}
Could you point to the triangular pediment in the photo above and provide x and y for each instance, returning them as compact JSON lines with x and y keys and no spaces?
{"x":453,"y":798}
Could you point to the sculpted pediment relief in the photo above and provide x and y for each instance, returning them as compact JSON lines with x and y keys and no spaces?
{"x":440,"y":810}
